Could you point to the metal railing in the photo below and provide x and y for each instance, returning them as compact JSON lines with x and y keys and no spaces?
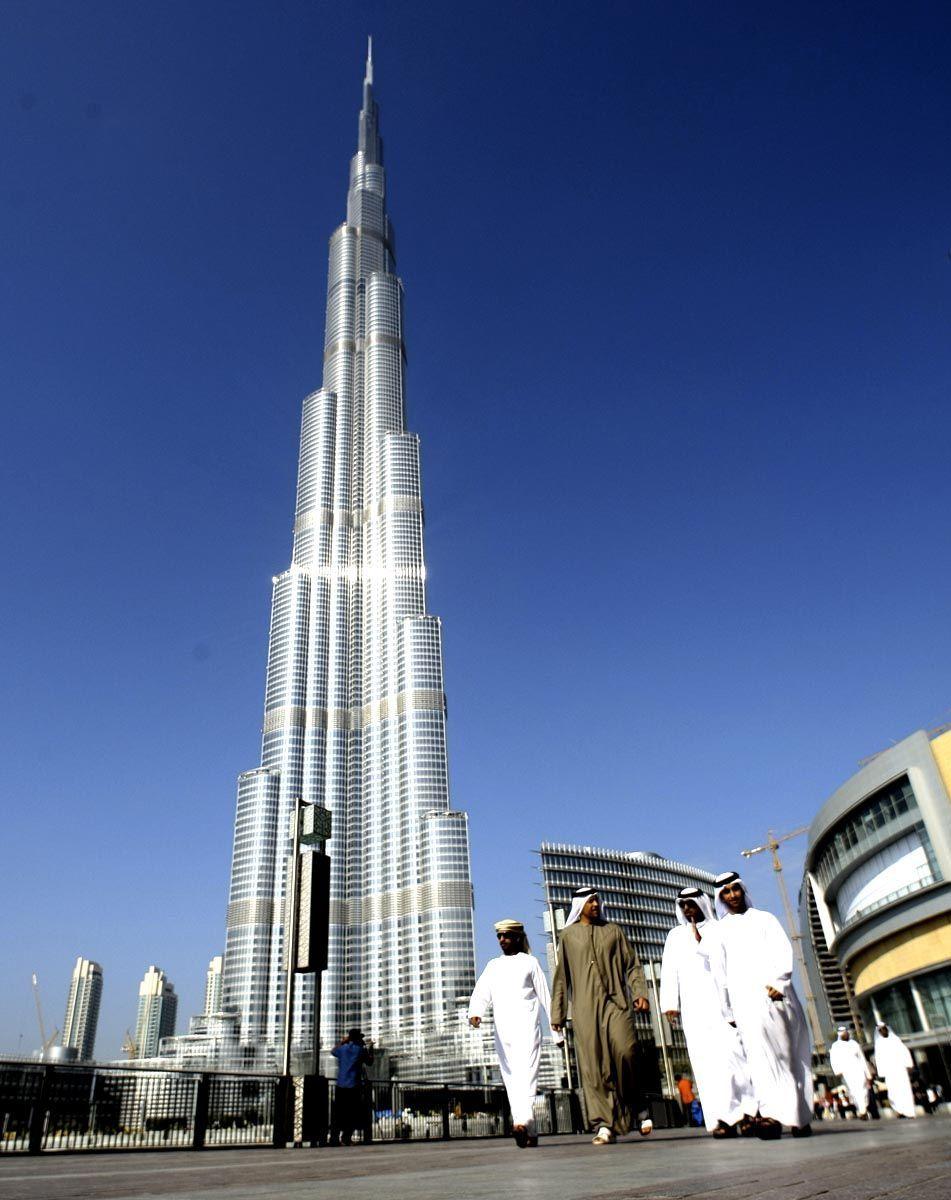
{"x":403,"y":1110}
{"x":44,"y":1107}
{"x":76,"y":1107}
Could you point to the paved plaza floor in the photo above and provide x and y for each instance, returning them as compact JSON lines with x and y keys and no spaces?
{"x":910,"y":1160}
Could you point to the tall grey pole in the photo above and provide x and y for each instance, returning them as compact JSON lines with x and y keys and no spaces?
{"x":668,"y":1071}
{"x":564,"y":1028}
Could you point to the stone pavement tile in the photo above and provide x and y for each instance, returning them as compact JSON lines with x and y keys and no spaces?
{"x":907,"y":1169}
{"x":847,"y":1161}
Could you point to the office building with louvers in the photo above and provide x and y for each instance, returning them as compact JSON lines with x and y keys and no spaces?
{"x":354,"y":710}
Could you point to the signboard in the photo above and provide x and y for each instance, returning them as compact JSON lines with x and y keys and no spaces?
{"x":315,"y":824}
{"x":314,"y":911}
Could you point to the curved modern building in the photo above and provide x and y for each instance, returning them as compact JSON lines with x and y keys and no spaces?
{"x":876,"y":897}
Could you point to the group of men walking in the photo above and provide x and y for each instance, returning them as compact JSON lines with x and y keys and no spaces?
{"x":726,"y":977}
{"x":893,"y":1061}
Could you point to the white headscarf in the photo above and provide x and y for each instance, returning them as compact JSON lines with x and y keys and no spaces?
{"x":720,"y":883}
{"x":701,"y":899}
{"x":886,"y":1042}
{"x":578,"y":900}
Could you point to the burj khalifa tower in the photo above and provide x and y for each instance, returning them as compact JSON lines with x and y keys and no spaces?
{"x":354,"y":707}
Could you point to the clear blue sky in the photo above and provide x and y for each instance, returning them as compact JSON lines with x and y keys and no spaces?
{"x":678,"y":304}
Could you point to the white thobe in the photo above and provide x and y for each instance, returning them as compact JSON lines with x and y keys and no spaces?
{"x":515,"y":988}
{"x":893,"y":1061}
{"x":755,"y":953}
{"x":716,"y":1055}
{"x":847,"y":1060}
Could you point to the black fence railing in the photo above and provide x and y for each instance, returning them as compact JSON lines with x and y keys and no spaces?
{"x":403,"y":1110}
{"x":46,"y":1107}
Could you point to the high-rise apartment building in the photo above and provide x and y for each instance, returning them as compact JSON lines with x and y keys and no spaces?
{"x":82,"y":1008}
{"x":213,"y":985}
{"x":354,"y":710}
{"x":158,"y":1007}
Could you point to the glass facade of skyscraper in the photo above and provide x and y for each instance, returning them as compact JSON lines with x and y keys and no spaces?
{"x":355,"y":712}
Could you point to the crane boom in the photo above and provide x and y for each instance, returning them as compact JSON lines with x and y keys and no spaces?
{"x":39,"y":1010}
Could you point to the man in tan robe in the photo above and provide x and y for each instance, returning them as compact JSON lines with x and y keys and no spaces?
{"x":599,"y":971}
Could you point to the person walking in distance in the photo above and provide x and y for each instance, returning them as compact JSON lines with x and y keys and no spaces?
{"x":848,"y":1061}
{"x":893,"y":1061}
{"x":599,"y":972}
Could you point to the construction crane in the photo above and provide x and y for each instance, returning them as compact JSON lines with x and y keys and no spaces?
{"x":129,"y":1048}
{"x":772,"y":844}
{"x":45,"y":1042}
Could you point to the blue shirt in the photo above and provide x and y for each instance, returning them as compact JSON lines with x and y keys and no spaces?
{"x":350,"y":1056}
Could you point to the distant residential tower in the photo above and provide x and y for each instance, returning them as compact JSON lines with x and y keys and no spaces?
{"x":82,"y":1008}
{"x":213,"y":985}
{"x":158,"y":1007}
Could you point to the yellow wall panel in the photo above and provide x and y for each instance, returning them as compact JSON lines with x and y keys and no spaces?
{"x":914,"y":949}
{"x":941,"y":749}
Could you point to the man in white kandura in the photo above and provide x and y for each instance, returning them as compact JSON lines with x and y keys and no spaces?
{"x":753,"y":969}
{"x":893,"y":1061}
{"x":846,"y":1059}
{"x":515,"y":988}
{"x":688,"y":991}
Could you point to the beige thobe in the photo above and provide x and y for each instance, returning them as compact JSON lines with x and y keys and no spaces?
{"x":598,"y":969}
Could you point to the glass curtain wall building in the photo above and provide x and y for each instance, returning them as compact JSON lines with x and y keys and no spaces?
{"x":639,"y":890}
{"x":355,"y":710}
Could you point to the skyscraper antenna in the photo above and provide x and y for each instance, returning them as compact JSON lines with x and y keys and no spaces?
{"x":368,"y":78}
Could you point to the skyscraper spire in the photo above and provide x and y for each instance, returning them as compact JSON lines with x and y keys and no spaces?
{"x":354,"y":708}
{"x":370,"y":144}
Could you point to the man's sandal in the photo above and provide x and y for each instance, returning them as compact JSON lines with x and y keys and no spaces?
{"x":604,"y":1137}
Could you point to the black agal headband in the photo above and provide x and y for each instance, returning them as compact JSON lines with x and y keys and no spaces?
{"x":726,"y":878}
